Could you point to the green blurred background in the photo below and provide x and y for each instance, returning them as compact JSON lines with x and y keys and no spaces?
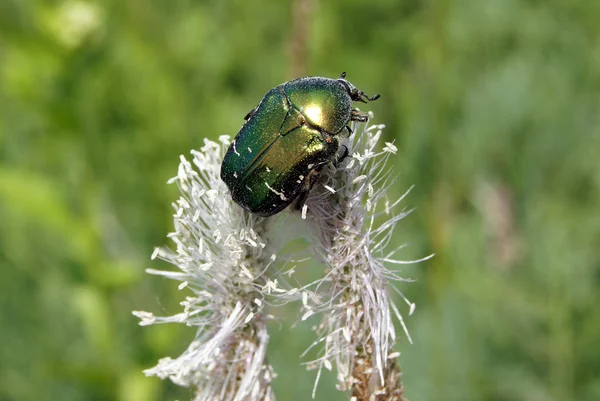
{"x":493,"y":104}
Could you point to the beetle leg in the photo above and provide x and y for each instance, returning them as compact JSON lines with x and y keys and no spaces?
{"x":343,"y":156}
{"x":359,"y":96}
{"x":356,"y":115}
{"x":250,"y":114}
{"x":310,"y":180}
{"x":350,"y":132}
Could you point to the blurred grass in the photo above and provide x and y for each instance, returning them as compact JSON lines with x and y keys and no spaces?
{"x":494,"y":106}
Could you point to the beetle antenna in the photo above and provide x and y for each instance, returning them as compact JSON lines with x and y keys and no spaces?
{"x":377,"y":96}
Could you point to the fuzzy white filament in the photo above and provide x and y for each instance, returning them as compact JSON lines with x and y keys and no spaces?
{"x":354,"y":224}
{"x":219,"y":257}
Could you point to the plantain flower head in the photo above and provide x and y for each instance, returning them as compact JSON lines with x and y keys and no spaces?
{"x":219,"y":257}
{"x":354,"y":221}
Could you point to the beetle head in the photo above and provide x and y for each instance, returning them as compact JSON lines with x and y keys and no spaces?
{"x":355,"y":94}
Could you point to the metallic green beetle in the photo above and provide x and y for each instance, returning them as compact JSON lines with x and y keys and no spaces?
{"x":287,"y":140}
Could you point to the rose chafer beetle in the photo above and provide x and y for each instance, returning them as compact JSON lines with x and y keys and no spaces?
{"x":286,"y":141}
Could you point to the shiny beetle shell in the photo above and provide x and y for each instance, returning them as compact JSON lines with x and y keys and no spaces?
{"x":287,"y":139}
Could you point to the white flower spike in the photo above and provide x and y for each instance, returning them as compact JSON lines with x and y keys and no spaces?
{"x":357,"y":331}
{"x":219,"y":256}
